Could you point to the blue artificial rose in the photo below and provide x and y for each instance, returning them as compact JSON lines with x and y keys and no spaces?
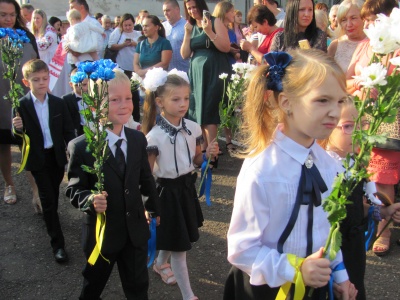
{"x":78,"y":77}
{"x":87,"y":67}
{"x":108,"y":74}
{"x":94,"y":76}
{"x":3,"y":33}
{"x":108,"y":63}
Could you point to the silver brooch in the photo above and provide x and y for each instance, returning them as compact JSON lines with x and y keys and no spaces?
{"x":309,"y":162}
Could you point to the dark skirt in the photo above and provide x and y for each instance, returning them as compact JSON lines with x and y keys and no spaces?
{"x":180,"y":213}
{"x":238,"y":287}
{"x":6,"y":138}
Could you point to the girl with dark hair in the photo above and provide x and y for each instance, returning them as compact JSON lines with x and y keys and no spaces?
{"x":56,"y":23}
{"x":10,"y":17}
{"x":300,"y":24}
{"x":155,"y":50}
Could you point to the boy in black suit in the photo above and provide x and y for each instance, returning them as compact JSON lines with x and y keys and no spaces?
{"x":74,"y":103}
{"x":46,"y":121}
{"x":127,"y":176}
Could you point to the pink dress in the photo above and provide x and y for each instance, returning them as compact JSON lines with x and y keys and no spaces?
{"x":385,"y":159}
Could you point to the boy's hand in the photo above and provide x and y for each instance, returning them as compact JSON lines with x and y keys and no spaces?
{"x":100,"y":202}
{"x":345,"y":290}
{"x":17,"y":123}
{"x":148,"y":218}
{"x":315,"y":270}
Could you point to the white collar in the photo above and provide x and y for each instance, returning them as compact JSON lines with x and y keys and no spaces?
{"x":113,"y":138}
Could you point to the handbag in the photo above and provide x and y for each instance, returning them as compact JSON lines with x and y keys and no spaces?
{"x":112,"y":54}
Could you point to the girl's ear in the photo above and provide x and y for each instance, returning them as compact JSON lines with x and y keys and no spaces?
{"x":284,"y":102}
{"x":159,"y":102}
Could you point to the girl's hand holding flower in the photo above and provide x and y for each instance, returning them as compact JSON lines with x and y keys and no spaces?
{"x":212,"y":149}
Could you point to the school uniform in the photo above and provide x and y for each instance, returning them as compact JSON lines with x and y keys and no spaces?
{"x":126,"y":232}
{"x":49,"y":128}
{"x":74,"y":104}
{"x":265,"y":197}
{"x":180,"y":211}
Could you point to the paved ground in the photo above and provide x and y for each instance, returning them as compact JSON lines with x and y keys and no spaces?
{"x":28,"y":270}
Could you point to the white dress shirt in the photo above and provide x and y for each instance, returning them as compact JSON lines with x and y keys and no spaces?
{"x":112,"y":138}
{"x":158,"y":138}
{"x":42,"y":112}
{"x":264,"y":200}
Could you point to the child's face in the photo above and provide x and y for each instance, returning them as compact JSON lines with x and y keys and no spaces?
{"x":78,"y":89}
{"x":340,"y":139}
{"x":120,"y":104}
{"x":38,"y":82}
{"x":315,"y":114}
{"x":174,"y":103}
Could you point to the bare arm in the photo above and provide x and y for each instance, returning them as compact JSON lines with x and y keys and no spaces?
{"x":186,"y":51}
{"x":332,"y":48}
{"x":220,"y":37}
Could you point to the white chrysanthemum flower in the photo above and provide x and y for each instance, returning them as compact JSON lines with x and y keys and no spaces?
{"x":181,"y":74}
{"x":238,"y":68}
{"x":154,"y":78}
{"x":136,"y":77}
{"x":380,"y":36}
{"x":235,"y":77}
{"x":395,"y":61}
{"x":223,"y":76}
{"x":372,"y":75}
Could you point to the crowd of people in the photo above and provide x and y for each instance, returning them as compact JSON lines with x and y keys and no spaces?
{"x":155,"y":154}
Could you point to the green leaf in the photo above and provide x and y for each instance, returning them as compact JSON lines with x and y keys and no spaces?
{"x":336,"y":242}
{"x":88,"y":169}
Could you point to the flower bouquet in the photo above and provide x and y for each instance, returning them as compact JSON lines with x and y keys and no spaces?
{"x":96,"y":116}
{"x":234,"y":92}
{"x":380,"y":101}
{"x":11,"y":48}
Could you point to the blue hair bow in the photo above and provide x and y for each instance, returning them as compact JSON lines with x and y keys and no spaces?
{"x":277,"y":61}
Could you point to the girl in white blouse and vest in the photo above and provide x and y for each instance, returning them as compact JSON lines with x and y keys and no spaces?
{"x":294,"y":100}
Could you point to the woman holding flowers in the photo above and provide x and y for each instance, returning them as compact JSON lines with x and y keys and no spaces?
{"x":45,"y":34}
{"x":385,"y":158}
{"x":10,"y":17}
{"x":206,"y":41}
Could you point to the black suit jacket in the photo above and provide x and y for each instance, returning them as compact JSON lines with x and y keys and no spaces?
{"x":72,"y":104}
{"x":125,"y":216}
{"x":61,"y":130}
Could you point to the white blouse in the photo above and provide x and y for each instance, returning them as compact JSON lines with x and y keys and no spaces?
{"x":161,"y":139}
{"x":264,"y":200}
{"x":47,"y":44}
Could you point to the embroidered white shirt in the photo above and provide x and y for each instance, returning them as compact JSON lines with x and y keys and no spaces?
{"x":265,"y":195}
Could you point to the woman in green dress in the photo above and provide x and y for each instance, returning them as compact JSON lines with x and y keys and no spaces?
{"x":206,"y":41}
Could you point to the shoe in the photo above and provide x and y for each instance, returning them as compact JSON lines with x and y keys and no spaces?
{"x":10,"y":197}
{"x":381,"y":246}
{"x":165,"y":272}
{"x":60,"y":255}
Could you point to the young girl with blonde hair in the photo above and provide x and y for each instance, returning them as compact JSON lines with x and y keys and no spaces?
{"x":174,"y":150}
{"x":278,"y":227}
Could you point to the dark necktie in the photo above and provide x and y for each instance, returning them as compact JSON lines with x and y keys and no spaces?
{"x":78,"y":99}
{"x":120,"y":157}
{"x":311,"y":186}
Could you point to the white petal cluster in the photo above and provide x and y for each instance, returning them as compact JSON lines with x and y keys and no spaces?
{"x":223,"y":76}
{"x":136,"y":78}
{"x":384,"y":35}
{"x":372,"y":75}
{"x":154,"y":78}
{"x":181,"y":74}
{"x":395,"y":61}
{"x":242,"y":68}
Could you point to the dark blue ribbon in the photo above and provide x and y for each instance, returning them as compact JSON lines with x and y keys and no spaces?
{"x":206,"y":185}
{"x":371,"y":228}
{"x":151,"y":244}
{"x":339,"y":267}
{"x":277,"y":62}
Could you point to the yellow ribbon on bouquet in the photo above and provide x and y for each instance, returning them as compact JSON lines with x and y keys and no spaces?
{"x":300,"y":288}
{"x":26,"y":146}
{"x":100,"y":228}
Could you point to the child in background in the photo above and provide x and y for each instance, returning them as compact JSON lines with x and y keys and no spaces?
{"x":275,"y":222}
{"x":353,"y":227}
{"x":81,"y":38}
{"x":75,"y":103}
{"x":174,"y":150}
{"x":126,"y":232}
{"x":45,"y":119}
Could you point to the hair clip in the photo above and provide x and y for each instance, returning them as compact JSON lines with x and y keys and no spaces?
{"x":277,"y":62}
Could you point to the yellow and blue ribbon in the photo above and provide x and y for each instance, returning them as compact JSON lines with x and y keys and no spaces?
{"x":339,"y":267}
{"x":26,"y":146}
{"x":100,"y":228}
{"x":300,"y":288}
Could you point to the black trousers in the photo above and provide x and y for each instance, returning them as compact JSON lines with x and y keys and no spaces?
{"x":48,"y":181}
{"x":132,"y":268}
{"x":135,"y":100}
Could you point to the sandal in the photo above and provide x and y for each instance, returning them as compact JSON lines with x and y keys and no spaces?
{"x":230,"y":147}
{"x":10,"y":197}
{"x":381,"y":246}
{"x":165,"y":272}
